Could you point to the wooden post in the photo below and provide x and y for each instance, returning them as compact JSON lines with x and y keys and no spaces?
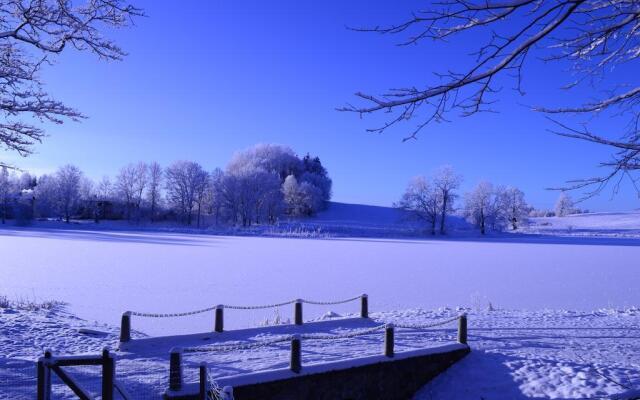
{"x":219,"y":324}
{"x":108,"y":374}
{"x":125,"y":327}
{"x":175,"y":369}
{"x":204,"y":382}
{"x":364,"y":306}
{"x":298,"y":312}
{"x":462,"y":329}
{"x":44,"y":377}
{"x":296,"y":354}
{"x":388,"y":340}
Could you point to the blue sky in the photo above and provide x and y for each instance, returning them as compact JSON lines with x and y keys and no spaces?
{"x":213,"y":77}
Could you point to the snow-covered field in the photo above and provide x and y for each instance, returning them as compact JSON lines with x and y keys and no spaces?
{"x":545,"y":351}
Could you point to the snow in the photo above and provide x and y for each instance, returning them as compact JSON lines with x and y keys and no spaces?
{"x":623,"y":225}
{"x":515,"y":354}
{"x":564,"y":290}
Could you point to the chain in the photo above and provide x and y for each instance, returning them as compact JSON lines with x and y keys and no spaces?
{"x":183,"y":314}
{"x":233,"y":307}
{"x":328,"y":303}
{"x":425,"y":326}
{"x":232,"y":347}
{"x":259,"y":307}
{"x":344,"y":335}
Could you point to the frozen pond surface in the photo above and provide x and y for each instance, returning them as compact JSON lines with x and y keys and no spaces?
{"x":101,"y":274}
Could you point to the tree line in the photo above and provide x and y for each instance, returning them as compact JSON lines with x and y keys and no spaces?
{"x":489,"y":207}
{"x":258,"y":186}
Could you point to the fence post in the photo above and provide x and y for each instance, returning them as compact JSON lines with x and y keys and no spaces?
{"x":364,"y":306}
{"x":125,"y":327}
{"x":298,"y":312}
{"x":296,"y":354}
{"x":175,"y":369}
{"x":204,"y":384}
{"x":388,"y":340}
{"x":44,"y":377}
{"x":219,"y":324}
{"x":108,"y":372}
{"x":462,"y":329}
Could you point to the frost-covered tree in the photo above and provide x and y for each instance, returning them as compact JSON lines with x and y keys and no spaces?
{"x":275,"y":158}
{"x":215,"y":192}
{"x":479,"y":206}
{"x":5,"y":192}
{"x":446,"y":181}
{"x":130,"y":184}
{"x":515,"y":208}
{"x":32,"y":34}
{"x":311,"y":177}
{"x":104,"y":189}
{"x":155,"y":184}
{"x":184,"y":182}
{"x":564,"y":205}
{"x":316,"y":174}
{"x":422,"y":201}
{"x":68,"y":180}
{"x":46,"y":194}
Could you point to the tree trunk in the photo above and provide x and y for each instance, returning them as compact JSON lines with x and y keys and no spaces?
{"x":482,"y":222}
{"x":445,"y":198}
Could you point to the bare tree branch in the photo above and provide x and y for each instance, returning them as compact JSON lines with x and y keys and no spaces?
{"x":30,"y":33}
{"x":592,"y":36}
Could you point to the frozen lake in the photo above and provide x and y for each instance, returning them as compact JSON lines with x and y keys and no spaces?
{"x":102,"y":274}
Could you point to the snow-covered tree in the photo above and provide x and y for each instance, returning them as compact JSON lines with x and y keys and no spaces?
{"x":514,"y":206}
{"x":422,"y":200}
{"x":185,"y":182}
{"x":155,"y":185}
{"x":5,"y":192}
{"x":447,"y":181}
{"x":275,"y":158}
{"x":46,"y":194}
{"x":32,"y":34}
{"x":479,"y":205}
{"x":311,"y":176}
{"x":130,"y":185}
{"x":68,"y":179}
{"x":564,"y":205}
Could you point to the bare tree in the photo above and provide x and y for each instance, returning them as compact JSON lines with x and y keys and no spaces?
{"x":31,"y":34}
{"x":155,"y":183}
{"x":185,"y":182}
{"x":130,"y":184}
{"x":593,"y":37}
{"x":68,"y":179}
{"x":514,"y":206}
{"x":447,"y":182}
{"x":422,"y":201}
{"x":478,"y":205}
{"x":564,"y":205}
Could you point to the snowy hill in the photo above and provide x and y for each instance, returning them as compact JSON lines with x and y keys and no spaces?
{"x":620,"y":224}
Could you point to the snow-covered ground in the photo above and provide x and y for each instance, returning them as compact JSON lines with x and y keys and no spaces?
{"x":516,"y":354}
{"x":590,"y":225}
{"x":529,"y":348}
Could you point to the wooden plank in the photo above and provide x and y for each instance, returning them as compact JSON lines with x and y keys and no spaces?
{"x":73,"y":385}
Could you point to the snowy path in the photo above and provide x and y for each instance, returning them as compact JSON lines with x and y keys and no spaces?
{"x":102,"y":274}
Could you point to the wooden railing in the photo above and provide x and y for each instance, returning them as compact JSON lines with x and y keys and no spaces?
{"x":49,"y":364}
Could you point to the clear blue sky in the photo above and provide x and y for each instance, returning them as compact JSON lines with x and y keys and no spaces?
{"x":211,"y":77}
